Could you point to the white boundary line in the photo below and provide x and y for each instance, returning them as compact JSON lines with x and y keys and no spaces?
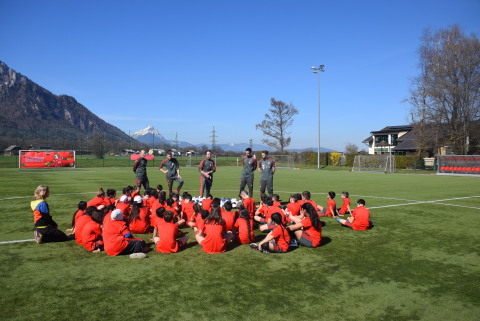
{"x":17,"y":241}
{"x":436,"y":202}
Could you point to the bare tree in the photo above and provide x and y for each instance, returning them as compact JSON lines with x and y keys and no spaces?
{"x":445,"y":97}
{"x":276,"y":123}
{"x":98,"y":144}
{"x":351,"y":148}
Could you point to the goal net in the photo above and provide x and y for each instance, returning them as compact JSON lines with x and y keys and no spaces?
{"x":283,"y":161}
{"x":374,"y":163}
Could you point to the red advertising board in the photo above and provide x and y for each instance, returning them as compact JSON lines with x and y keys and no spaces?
{"x":46,"y":159}
{"x":137,"y":156}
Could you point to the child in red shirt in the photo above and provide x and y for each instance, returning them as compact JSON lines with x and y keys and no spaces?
{"x":293,"y":208}
{"x":345,"y":209}
{"x":244,"y":227}
{"x":212,"y":236}
{"x":248,"y":202}
{"x":331,"y":208}
{"x":187,"y":207}
{"x":360,"y":219}
{"x":99,"y":199}
{"x":92,"y":233}
{"x":307,"y":227}
{"x":277,"y":241}
{"x":139,"y":218}
{"x":118,"y":240}
{"x":207,"y":203}
{"x":168,"y":233}
{"x":276,"y":200}
{"x":81,"y":207}
{"x":228,"y":216}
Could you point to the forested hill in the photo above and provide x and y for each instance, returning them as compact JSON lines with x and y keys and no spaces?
{"x":30,"y":114}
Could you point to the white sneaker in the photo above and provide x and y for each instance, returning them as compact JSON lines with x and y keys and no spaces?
{"x":139,"y":255}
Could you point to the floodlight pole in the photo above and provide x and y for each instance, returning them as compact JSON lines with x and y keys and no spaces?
{"x":317,"y":70}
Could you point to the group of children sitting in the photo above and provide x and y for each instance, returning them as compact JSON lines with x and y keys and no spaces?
{"x":109,"y":223}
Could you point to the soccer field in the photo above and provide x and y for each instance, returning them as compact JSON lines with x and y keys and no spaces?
{"x":420,"y":261}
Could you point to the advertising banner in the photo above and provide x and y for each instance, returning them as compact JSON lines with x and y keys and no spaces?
{"x":137,"y":156}
{"x":46,"y":159}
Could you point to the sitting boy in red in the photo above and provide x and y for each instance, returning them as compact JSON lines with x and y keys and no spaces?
{"x":168,"y":234}
{"x":360,"y":219}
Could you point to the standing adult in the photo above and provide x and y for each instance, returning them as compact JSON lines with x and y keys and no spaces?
{"x":140,"y":170}
{"x":206,"y":168}
{"x":267,"y":169}
{"x":249,"y":164}
{"x":172,"y":172}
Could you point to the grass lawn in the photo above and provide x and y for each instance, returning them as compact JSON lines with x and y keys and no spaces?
{"x":419,"y":262}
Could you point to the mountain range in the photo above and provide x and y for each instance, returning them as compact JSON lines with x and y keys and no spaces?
{"x":152,"y":137}
{"x":32,"y":115}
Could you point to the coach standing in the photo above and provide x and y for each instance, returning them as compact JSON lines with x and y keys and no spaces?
{"x":249,"y":164}
{"x":206,"y":168}
{"x":267,"y":169}
{"x":140,"y":170}
{"x":172,"y":172}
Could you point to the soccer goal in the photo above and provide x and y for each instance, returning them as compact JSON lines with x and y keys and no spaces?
{"x":374,"y":163}
{"x":284,"y":161}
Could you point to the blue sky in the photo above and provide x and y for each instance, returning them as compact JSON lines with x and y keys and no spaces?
{"x":188,"y":66}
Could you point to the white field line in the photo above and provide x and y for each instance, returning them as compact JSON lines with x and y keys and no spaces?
{"x":19,"y":197}
{"x":17,"y":241}
{"x":436,"y":202}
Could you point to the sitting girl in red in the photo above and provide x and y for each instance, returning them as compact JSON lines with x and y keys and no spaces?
{"x":139,"y":218}
{"x":92,"y":232}
{"x":277,"y":241}
{"x":307,"y":227}
{"x":168,"y":234}
{"x":118,"y":239}
{"x":244,"y":226}
{"x":211,"y":237}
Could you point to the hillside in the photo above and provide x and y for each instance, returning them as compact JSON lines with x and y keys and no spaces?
{"x":30,"y":114}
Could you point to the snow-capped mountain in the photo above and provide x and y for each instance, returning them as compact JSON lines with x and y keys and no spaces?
{"x":149,"y":136}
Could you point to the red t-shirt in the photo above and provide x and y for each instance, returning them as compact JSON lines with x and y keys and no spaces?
{"x":315,"y":234}
{"x":113,"y":237}
{"x":125,"y":207}
{"x":277,"y":204}
{"x":229,"y":218}
{"x":242,"y":227}
{"x":361,"y":218}
{"x":207,"y":204}
{"x":331,"y":203}
{"x":294,"y":208}
{"x":345,"y":204}
{"x":141,"y":224}
{"x":97,"y":201}
{"x":214,"y":240}
{"x":167,"y":232}
{"x":81,"y":222}
{"x":187,"y":210}
{"x":282,"y":237}
{"x":78,"y":214}
{"x":91,"y":234}
{"x":249,"y":204}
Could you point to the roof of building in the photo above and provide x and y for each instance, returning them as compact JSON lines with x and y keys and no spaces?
{"x":10,"y":148}
{"x":407,"y":141}
{"x":394,"y":129}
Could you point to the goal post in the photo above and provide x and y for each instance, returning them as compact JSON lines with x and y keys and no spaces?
{"x":284,"y":161}
{"x":374,"y":163}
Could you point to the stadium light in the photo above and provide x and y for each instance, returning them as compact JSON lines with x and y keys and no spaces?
{"x":317,"y":70}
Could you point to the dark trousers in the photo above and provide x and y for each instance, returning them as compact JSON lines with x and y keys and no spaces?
{"x":51,"y":234}
{"x":247,"y":181}
{"x":134,"y":246}
{"x":142,"y":181}
{"x":170,"y":185}
{"x":205,"y":185}
{"x":266,"y":184}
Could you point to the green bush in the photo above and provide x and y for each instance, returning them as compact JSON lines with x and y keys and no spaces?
{"x":405,"y":162}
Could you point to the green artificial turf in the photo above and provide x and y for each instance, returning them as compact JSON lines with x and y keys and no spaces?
{"x":419,"y":262}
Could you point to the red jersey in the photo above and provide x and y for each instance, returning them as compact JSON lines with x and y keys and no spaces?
{"x":97,"y":201}
{"x":125,"y":207}
{"x":91,"y":235}
{"x":361,"y":220}
{"x":277,"y":204}
{"x":207,"y":204}
{"x":331,"y":203}
{"x":242,"y":227}
{"x":82,"y":221}
{"x":249,"y":204}
{"x":110,"y":200}
{"x":214,"y":240}
{"x":78,"y":213}
{"x":311,"y":202}
{"x":188,"y":211}
{"x":345,"y":204}
{"x":168,"y":233}
{"x":282,"y":237}
{"x":114,"y":237}
{"x":314,"y":234}
{"x":294,"y":208}
{"x":141,"y":224}
{"x":229,"y":218}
